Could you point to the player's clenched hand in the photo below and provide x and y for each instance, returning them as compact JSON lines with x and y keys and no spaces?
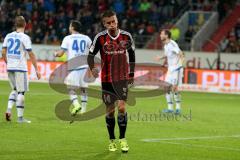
{"x":130,"y":82}
{"x":95,"y":72}
{"x":38,"y":75}
{"x":158,"y":58}
{"x":56,"y":54}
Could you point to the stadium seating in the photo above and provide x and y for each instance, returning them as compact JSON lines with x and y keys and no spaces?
{"x":224,"y":29}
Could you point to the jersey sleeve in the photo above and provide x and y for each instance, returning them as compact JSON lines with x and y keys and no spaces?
{"x":27,"y":43}
{"x":176,"y":48}
{"x":95,"y":47}
{"x":131,"y":56}
{"x":89,"y":43}
{"x":4,"y":45}
{"x":132,"y":44}
{"x":64,"y":44}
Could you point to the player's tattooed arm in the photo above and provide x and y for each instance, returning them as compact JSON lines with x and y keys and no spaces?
{"x":34,"y":62}
{"x":131,"y":55}
{"x":4,"y":52}
{"x":90,"y":60}
{"x":95,"y":47}
{"x":131,"y":59}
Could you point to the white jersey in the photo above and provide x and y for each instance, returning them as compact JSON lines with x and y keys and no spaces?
{"x":17,"y":45}
{"x":76,"y":45}
{"x":172,"y":50}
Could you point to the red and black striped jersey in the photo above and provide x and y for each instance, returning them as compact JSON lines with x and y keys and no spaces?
{"x":113,"y":52}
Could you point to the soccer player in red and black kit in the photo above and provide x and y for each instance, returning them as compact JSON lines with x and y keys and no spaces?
{"x":116,"y":74}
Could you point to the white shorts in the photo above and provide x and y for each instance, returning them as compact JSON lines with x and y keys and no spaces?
{"x":76,"y":79}
{"x":175,"y":77}
{"x":18,"y":81}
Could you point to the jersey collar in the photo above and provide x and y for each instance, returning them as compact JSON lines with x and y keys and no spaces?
{"x":114,"y":38}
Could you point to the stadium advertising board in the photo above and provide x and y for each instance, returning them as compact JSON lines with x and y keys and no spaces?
{"x":194,"y":79}
{"x":212,"y":81}
{"x":197,"y":60}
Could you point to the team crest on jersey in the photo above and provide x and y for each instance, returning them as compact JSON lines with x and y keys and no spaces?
{"x":116,"y":48}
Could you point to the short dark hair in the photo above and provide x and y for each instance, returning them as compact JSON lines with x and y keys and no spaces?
{"x":108,"y":13}
{"x":167,"y":32}
{"x":76,"y":25}
{"x":20,"y":22}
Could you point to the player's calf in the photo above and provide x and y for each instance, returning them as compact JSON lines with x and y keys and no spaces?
{"x":110,"y":121}
{"x":177,"y":98}
{"x":11,"y":101}
{"x":20,"y":104}
{"x":20,"y":108}
{"x":169,"y":98}
{"x":84,"y":99}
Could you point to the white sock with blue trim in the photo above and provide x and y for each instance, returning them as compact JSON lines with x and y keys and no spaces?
{"x":20,"y":105}
{"x":177,"y":98}
{"x":74,"y":99}
{"x":169,"y":100}
{"x":84,"y":99}
{"x":11,"y":100}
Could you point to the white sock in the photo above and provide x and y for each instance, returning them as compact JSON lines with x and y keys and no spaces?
{"x":169,"y":100}
{"x":84,"y":99}
{"x":177,"y":98}
{"x":20,"y":105}
{"x":74,"y":99}
{"x":11,"y":101}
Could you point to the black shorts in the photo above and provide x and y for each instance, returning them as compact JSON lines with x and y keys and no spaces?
{"x":112,"y":91}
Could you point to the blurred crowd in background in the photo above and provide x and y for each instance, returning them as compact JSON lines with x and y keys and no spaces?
{"x":48,"y":20}
{"x":231,"y":43}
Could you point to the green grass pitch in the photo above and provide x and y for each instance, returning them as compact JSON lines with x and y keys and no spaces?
{"x":213,"y":133}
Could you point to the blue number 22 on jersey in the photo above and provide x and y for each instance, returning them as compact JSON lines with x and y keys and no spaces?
{"x":14,"y":46}
{"x":79,"y":46}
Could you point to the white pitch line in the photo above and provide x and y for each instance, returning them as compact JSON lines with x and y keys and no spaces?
{"x":203,"y":146}
{"x":188,"y":138}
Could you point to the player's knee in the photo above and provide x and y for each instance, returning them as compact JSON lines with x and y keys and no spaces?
{"x":13,"y":95}
{"x":72,"y":92}
{"x":110,"y":110}
{"x":83,"y":91}
{"x":174,"y":88}
{"x":176,"y":93}
{"x":121,"y":106}
{"x":20,"y":99}
{"x":21,"y":93}
{"x":13,"y":92}
{"x":122,"y":110}
{"x":110,"y":113}
{"x":73,"y":96}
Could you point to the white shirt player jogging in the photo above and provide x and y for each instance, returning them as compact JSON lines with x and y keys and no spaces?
{"x":171,"y":50}
{"x":17,"y":43}
{"x":76,"y":45}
